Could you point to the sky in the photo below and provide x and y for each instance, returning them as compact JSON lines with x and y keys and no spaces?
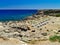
{"x":29,"y":4}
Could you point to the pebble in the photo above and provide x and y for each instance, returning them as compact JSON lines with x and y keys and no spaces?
{"x":33,"y":31}
{"x":44,"y":34}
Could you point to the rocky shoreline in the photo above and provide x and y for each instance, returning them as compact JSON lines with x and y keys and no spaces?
{"x":19,"y":29}
{"x":34,"y":28}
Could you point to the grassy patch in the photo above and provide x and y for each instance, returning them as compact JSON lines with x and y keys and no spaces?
{"x":58,"y":15}
{"x":54,"y":38}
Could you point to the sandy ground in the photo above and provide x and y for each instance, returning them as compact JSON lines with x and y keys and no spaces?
{"x":50,"y":26}
{"x":17,"y":42}
{"x":48,"y":43}
{"x":11,"y":42}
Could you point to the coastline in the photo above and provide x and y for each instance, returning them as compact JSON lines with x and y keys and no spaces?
{"x":33,"y":30}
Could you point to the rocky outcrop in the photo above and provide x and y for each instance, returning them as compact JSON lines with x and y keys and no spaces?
{"x":29,"y":31}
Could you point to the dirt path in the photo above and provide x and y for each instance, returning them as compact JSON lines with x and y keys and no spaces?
{"x":46,"y":43}
{"x":11,"y":42}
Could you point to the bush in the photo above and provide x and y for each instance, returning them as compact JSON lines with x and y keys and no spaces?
{"x":54,"y":38}
{"x":57,"y":15}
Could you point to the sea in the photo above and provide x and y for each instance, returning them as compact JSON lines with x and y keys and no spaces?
{"x":15,"y":15}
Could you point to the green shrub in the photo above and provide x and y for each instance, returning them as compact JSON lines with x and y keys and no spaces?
{"x":58,"y":15}
{"x":59,"y":38}
{"x":54,"y":38}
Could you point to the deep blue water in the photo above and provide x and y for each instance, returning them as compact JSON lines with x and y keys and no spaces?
{"x":8,"y":15}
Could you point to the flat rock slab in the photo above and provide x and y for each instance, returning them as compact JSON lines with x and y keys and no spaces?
{"x":11,"y":42}
{"x":46,"y":43}
{"x":49,"y":43}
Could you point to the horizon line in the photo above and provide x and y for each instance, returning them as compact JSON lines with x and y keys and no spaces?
{"x":29,"y":8}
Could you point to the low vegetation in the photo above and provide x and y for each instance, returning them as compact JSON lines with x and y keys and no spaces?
{"x":58,"y":15}
{"x":54,"y":38}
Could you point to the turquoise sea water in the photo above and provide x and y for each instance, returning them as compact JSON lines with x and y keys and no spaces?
{"x":12,"y":15}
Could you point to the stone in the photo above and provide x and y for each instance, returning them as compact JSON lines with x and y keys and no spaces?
{"x":20,"y":35}
{"x":1,"y":28}
{"x":6,"y":31}
{"x":33,"y":31}
{"x":58,"y":30}
{"x":15,"y":33}
{"x":1,"y":23}
{"x":55,"y":31}
{"x":44,"y":34}
{"x":40,"y":28}
{"x":22,"y":29}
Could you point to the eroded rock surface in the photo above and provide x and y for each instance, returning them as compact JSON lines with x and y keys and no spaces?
{"x":29,"y":31}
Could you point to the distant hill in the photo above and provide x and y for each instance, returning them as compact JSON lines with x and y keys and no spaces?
{"x":48,"y":12}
